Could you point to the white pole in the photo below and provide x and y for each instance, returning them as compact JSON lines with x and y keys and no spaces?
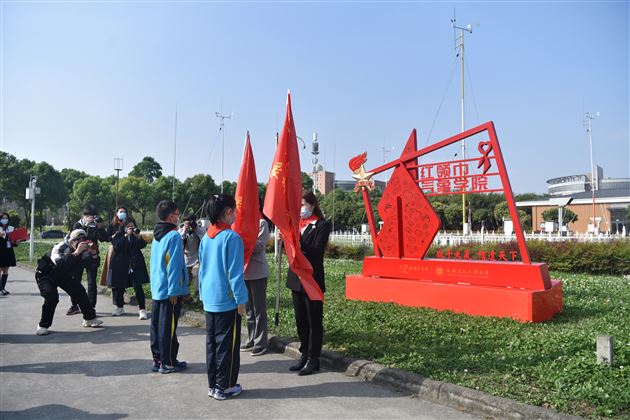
{"x":33,"y":190}
{"x":174,"y":158}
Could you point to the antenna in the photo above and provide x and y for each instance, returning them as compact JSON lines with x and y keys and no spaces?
{"x":222,"y":118}
{"x":174,"y":157}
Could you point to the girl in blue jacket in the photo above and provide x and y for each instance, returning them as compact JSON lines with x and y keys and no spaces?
{"x":224,"y":295}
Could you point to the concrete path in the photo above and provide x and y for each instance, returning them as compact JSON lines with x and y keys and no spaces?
{"x":105,"y":373}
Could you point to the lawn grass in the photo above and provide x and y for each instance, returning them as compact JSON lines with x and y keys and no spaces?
{"x":549,"y":364}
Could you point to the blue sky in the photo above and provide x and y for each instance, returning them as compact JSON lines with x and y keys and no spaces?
{"x":84,"y":82}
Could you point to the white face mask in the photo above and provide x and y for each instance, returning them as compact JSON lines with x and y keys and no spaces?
{"x":306,"y":212}
{"x":122,"y":215}
{"x":4,"y":221}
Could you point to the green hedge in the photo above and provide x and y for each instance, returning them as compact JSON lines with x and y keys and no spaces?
{"x":611,"y":258}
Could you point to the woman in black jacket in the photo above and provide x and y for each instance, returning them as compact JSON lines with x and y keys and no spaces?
{"x":7,"y":255}
{"x":309,"y":314}
{"x":128,"y":267}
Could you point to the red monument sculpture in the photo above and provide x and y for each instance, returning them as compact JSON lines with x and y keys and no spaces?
{"x":399,"y":271}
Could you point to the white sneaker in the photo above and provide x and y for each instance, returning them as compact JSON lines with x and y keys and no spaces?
{"x":142,"y":314}
{"x":118,"y":312}
{"x":41,"y":331}
{"x":92,"y":323}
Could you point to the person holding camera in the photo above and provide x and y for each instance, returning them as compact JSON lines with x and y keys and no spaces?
{"x":7,"y":255}
{"x":64,"y":269}
{"x":128,"y":268}
{"x":92,"y":225}
{"x":191,"y":233}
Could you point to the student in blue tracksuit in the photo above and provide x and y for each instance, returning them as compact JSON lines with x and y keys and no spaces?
{"x":224,"y":295}
{"x":169,"y":283}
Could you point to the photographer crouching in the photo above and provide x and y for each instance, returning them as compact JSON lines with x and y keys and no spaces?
{"x":92,"y":225}
{"x":64,"y":269}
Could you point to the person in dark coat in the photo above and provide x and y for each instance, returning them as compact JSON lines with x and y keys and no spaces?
{"x":309,"y":314}
{"x":92,"y":224}
{"x":128,"y":268}
{"x":7,"y":255}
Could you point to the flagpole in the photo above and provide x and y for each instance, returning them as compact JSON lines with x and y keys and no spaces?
{"x":278,"y":257}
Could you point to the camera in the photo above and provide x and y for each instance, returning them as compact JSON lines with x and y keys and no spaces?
{"x":136,"y":231}
{"x":98,"y":219}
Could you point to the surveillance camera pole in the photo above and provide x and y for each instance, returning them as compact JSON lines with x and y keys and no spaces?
{"x":118,"y":165}
{"x":32,"y":189}
{"x":459,"y":44}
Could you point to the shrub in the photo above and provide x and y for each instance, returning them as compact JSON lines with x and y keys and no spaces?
{"x":576,"y":257}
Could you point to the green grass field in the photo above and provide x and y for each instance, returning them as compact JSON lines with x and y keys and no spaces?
{"x":549,"y":364}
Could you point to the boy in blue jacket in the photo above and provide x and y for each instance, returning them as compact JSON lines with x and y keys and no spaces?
{"x":224,"y":295}
{"x":169,"y":283}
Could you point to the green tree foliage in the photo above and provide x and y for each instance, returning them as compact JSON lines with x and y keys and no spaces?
{"x":14,"y":178}
{"x":349,"y":209}
{"x":163,"y":190}
{"x":136,"y":194}
{"x":551,"y":215}
{"x":198,"y":189}
{"x":229,"y":187}
{"x":92,"y":190}
{"x":148,"y":168}
{"x":307,"y":182}
{"x":70,"y":176}
{"x":53,"y":190}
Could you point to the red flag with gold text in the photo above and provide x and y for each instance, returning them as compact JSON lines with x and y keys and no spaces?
{"x":283,"y":202}
{"x":247,"y":202}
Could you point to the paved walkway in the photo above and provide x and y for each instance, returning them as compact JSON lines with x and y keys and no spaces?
{"x":105,"y":373}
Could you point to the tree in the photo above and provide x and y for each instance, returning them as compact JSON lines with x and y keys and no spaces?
{"x":53,"y":191}
{"x":198,"y":189}
{"x":307,"y":182}
{"x":568,"y":216}
{"x":92,"y":190}
{"x":163,"y":190}
{"x":229,"y":187}
{"x":148,"y":169}
{"x":14,"y":179}
{"x":136,"y":193}
{"x":70,"y":176}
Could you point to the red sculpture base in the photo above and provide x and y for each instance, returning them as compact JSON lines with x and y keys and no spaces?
{"x":519,"y":304}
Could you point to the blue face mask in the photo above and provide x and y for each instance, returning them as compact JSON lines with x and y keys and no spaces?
{"x":305,"y":213}
{"x":122,"y":215}
{"x":4,"y":221}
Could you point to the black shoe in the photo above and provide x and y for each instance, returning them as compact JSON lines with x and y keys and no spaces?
{"x":311,"y":366}
{"x":299,"y":365}
{"x":5,"y":292}
{"x":73,"y":310}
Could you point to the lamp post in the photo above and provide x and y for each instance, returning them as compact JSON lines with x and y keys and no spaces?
{"x":118,"y":165}
{"x":588,"y":117}
{"x":31,"y":192}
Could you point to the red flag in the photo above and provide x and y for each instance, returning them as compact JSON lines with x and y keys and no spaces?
{"x":247,"y":205}
{"x":283,"y":202}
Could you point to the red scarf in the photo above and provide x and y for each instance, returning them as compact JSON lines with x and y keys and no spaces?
{"x":305,"y":222}
{"x":214,"y":230}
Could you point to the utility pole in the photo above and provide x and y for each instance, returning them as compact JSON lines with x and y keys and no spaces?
{"x":222,"y":118}
{"x":459,"y":45}
{"x":118,"y":165}
{"x":588,"y":117}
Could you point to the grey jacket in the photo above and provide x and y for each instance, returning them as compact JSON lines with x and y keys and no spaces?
{"x":191,"y":245}
{"x":257,"y":267}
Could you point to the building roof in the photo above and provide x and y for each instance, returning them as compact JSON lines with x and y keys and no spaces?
{"x":607,"y":196}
